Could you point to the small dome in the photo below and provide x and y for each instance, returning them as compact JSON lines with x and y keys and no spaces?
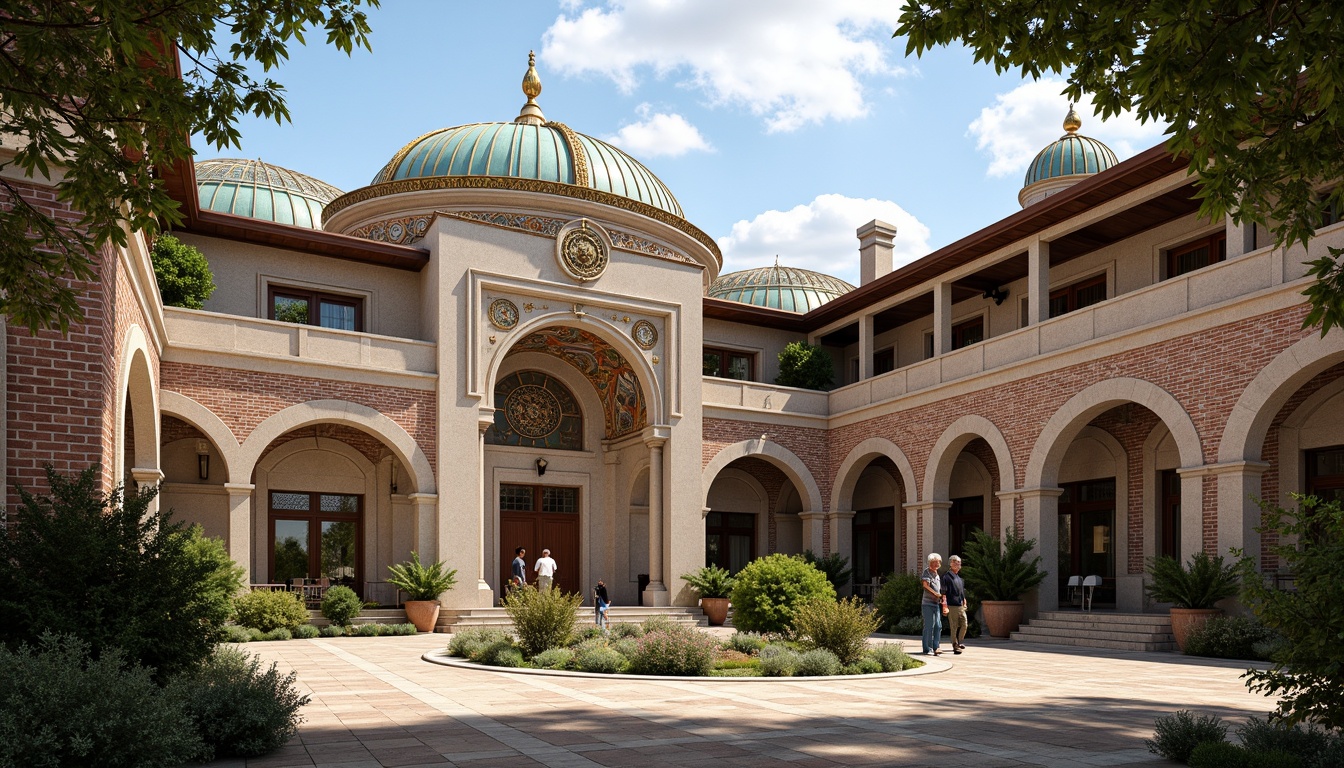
{"x":776,"y":287}
{"x":1069,"y":157}
{"x":254,"y":189}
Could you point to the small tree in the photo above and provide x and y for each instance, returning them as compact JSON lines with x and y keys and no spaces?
{"x":1307,"y":674}
{"x":182,"y":272}
{"x":806,"y":366}
{"x":543,"y":618}
{"x":770,"y":589}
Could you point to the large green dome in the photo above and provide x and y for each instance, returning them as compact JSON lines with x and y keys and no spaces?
{"x":260,"y":191}
{"x":776,"y":287}
{"x":549,"y":152}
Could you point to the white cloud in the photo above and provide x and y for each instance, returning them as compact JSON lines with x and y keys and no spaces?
{"x":820,"y":236}
{"x":1021,"y":122}
{"x":659,"y":134}
{"x":792,"y":62}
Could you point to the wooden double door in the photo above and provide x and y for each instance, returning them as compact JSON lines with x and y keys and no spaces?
{"x":538,"y":517}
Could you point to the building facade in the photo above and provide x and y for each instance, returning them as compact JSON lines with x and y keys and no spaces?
{"x":513,"y":337}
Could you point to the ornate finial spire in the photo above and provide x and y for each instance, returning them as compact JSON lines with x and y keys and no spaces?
{"x":1072,"y":122}
{"x":531,"y":112}
{"x":776,"y":259}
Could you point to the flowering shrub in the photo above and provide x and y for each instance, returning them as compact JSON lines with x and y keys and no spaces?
{"x":676,"y":651}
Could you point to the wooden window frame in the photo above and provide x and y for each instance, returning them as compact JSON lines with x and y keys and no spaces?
{"x":315,"y":298}
{"x":537,"y":491}
{"x":884,"y":356}
{"x":1070,"y":294}
{"x":1216,"y":242}
{"x":959,"y":332}
{"x":724,"y":354}
{"x":314,"y":517}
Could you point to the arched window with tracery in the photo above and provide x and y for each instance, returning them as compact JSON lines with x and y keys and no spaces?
{"x":534,"y":410}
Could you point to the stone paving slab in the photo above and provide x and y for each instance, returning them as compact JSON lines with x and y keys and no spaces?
{"x":376,"y":704}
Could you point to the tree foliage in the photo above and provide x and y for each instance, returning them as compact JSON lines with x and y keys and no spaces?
{"x":770,"y":589}
{"x":94,"y":101}
{"x":806,"y":366}
{"x":1248,"y":89}
{"x":182,"y":273}
{"x":1307,"y":674}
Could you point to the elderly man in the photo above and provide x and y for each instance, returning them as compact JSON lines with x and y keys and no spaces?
{"x":932,"y":604}
{"x":954,"y":591}
{"x":545,"y":568}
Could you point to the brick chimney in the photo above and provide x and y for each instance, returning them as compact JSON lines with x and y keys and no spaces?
{"x":875,"y":245}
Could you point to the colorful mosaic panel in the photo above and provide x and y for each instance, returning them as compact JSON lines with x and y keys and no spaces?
{"x":534,"y":410}
{"x":610,"y":373}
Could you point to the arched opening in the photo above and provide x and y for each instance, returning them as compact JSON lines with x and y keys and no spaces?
{"x":759,"y":499}
{"x":967,"y":468}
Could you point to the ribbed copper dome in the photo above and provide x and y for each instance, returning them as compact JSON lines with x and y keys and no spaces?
{"x":787,"y":288}
{"x":260,"y":191}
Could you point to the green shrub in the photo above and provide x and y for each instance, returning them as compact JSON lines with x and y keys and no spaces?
{"x":891,"y":657}
{"x":270,"y":610}
{"x":541,"y":618}
{"x":585,"y":633}
{"x":710,"y":581}
{"x":224,"y":578}
{"x":816,"y":663}
{"x":279,"y":633}
{"x":400,"y":630}
{"x":835,"y":566}
{"x":1201,"y":585}
{"x":340,"y":605}
{"x":239,"y":709}
{"x":745,"y":642}
{"x":332,"y":630}
{"x":898,"y":599}
{"x":626,"y":646}
{"x":840,"y":627}
{"x":236,"y":634}
{"x":737,"y":672}
{"x":997,"y":569}
{"x":468,"y":642}
{"x":502,"y":653}
{"x":910,"y":625}
{"x":656,"y":623}
{"x":626,"y":629}
{"x":421,"y":582}
{"x":806,"y":366}
{"x":111,"y":571}
{"x":182,"y":273}
{"x":865,"y":666}
{"x":553,"y":658}
{"x":777,"y":661}
{"x":305,"y":632}
{"x":1218,"y":754}
{"x":680,"y":651}
{"x":59,"y":707}
{"x":255,"y":635}
{"x":770,"y":589}
{"x":737,"y":664}
{"x":366,"y":630}
{"x":1228,"y":637}
{"x":1274,"y":736}
{"x":597,"y":656}
{"x":1175,"y":736}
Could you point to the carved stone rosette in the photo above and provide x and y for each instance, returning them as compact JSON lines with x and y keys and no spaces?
{"x":583,"y":250}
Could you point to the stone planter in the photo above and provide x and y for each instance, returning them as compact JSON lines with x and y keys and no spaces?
{"x":716,"y":610}
{"x":424,"y":614}
{"x":1184,"y":621}
{"x":1002,"y":617}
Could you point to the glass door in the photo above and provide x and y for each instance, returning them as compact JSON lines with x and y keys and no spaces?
{"x":316,"y":536}
{"x":730,"y":539}
{"x":1087,"y":536}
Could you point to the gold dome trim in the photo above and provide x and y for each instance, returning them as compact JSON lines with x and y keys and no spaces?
{"x":578,"y":157}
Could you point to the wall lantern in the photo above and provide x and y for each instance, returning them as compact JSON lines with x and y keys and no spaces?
{"x":541,"y":467}
{"x":203,"y":459}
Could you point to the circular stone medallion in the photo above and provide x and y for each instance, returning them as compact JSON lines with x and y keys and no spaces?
{"x":583,"y":254}
{"x":644,"y":334}
{"x":503,"y":314}
{"x":532,"y":411}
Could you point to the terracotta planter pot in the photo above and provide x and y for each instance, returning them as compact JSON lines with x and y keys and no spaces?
{"x":716,"y":609}
{"x":1003,"y":617}
{"x":424,"y":614}
{"x":1186,"y":620}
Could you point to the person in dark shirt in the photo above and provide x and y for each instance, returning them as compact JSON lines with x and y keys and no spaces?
{"x":954,"y":590}
{"x":601,"y":602}
{"x":519,"y":568}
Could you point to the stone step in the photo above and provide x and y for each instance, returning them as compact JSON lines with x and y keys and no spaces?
{"x":1047,"y":634}
{"x":1115,"y":631}
{"x":1097,"y":617}
{"x":1090,"y":642}
{"x":1086,"y":627}
{"x":367,"y":616}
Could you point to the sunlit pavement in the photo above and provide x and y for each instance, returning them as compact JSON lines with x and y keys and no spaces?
{"x":376,"y":703}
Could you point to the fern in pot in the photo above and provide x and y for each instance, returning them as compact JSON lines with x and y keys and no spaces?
{"x":998,"y":573}
{"x":1193,"y":590}
{"x":422,"y":585}
{"x":714,"y":584}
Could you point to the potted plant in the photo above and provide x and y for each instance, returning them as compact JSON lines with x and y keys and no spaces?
{"x":422,"y":586}
{"x":1193,"y":591}
{"x":998,"y":574}
{"x":714,"y":585}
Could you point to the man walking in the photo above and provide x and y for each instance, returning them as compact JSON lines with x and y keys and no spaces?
{"x":519,"y":568}
{"x":545,"y":568}
{"x":954,"y":590}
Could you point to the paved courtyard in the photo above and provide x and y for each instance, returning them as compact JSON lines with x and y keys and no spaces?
{"x":376,"y":703}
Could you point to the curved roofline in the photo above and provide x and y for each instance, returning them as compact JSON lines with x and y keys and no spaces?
{"x":432,"y":183}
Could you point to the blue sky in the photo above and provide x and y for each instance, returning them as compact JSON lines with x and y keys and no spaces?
{"x":780,"y":125}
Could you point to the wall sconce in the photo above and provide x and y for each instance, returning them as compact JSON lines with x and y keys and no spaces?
{"x":203,"y":459}
{"x":541,"y":467}
{"x":997,"y":293}
{"x":394,"y":476}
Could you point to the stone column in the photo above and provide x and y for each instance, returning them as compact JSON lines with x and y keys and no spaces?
{"x":865,"y":347}
{"x":942,"y":317}
{"x":1040,"y":513}
{"x":1038,"y":282}
{"x":1192,"y":510}
{"x":814,"y":527}
{"x":842,"y":536}
{"x":912,"y":544}
{"x":240,"y":529}
{"x":656,"y":593}
{"x":1238,"y":515}
{"x":145,"y":478}
{"x":425,"y":515}
{"x":485,"y":418}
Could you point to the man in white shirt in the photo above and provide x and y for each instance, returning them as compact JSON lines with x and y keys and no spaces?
{"x":545,"y":568}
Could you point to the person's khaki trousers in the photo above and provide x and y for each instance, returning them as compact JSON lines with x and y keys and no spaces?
{"x":956,"y":623}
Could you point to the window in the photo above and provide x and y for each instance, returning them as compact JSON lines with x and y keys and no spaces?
{"x":316,"y":536}
{"x":728,"y":364}
{"x":1197,"y":255}
{"x":1333,"y":210}
{"x":730,"y":540}
{"x":1081,"y":294}
{"x":538,"y":498}
{"x":968,"y":333}
{"x":535,"y":410}
{"x":298,"y":305}
{"x":928,"y":344}
{"x":884,"y":361}
{"x":1169,"y":516}
{"x":1325,"y":473}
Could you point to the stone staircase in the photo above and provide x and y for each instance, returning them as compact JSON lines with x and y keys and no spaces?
{"x":452,"y":620}
{"x":1100,"y":629}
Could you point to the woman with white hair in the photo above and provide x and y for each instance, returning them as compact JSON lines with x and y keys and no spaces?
{"x":932,"y":604}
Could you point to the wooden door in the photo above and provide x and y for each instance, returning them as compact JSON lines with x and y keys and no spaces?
{"x":537,"y":518}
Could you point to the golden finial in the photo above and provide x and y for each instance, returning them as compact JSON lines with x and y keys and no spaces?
{"x":1072,"y":122}
{"x":531,"y":112}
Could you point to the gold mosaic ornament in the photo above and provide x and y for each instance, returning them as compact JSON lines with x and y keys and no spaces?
{"x":583,"y":253}
{"x":503,"y":314}
{"x":644,"y":334}
{"x":532,"y":411}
